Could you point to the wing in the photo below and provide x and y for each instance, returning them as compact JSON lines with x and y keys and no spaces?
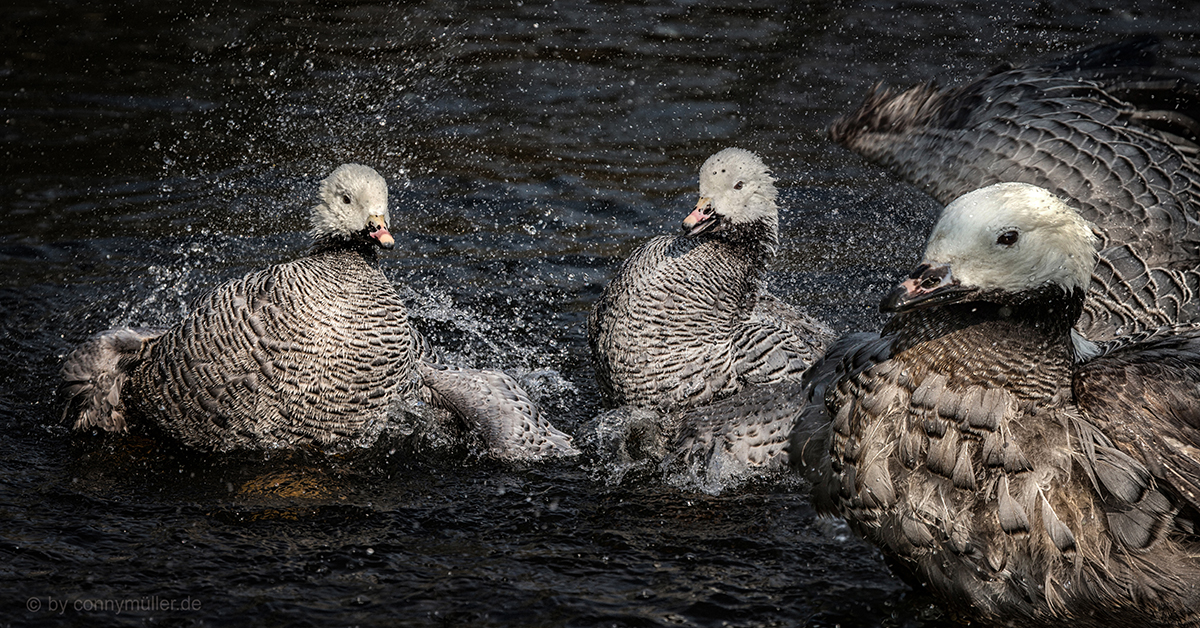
{"x":1060,"y":126}
{"x":747,"y":432}
{"x":770,"y":309}
{"x":777,"y":343}
{"x":1129,"y":297}
{"x":1143,"y":401}
{"x":498,"y":410}
{"x":95,"y":373}
{"x":812,"y":441}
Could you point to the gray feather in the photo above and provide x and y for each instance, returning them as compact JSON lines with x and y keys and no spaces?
{"x":1060,"y":483}
{"x":1060,"y":534}
{"x":1062,"y":131}
{"x":1013,"y":518}
{"x":94,"y":374}
{"x":498,"y":410}
{"x":686,"y":319}
{"x":312,"y":351}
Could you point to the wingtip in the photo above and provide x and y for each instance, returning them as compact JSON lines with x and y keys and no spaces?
{"x":94,"y":374}
{"x":499,"y":411}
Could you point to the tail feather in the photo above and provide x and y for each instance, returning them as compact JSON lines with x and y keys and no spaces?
{"x":887,"y":111}
{"x":96,"y":371}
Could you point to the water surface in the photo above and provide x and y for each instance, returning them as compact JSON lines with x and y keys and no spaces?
{"x":152,"y":152}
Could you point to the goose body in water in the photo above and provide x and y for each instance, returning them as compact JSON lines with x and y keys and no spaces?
{"x":1023,"y":475}
{"x":686,"y":320}
{"x":312,"y":351}
{"x":685,"y":336}
{"x":1103,"y":129}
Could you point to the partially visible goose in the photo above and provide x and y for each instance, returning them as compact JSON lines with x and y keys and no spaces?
{"x":1023,"y":475}
{"x":1113,"y":136}
{"x":687,"y":320}
{"x":312,"y":351}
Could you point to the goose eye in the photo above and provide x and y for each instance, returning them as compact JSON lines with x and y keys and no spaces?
{"x":346,"y":199}
{"x":738,"y":185}
{"x":1008,"y":238}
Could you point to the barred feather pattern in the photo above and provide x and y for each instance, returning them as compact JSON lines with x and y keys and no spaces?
{"x":309,"y":351}
{"x":685,"y":321}
{"x":313,"y":351}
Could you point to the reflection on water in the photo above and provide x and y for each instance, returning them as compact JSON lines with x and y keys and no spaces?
{"x":152,"y":152}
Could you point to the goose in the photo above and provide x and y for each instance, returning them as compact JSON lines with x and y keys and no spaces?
{"x":687,"y":320}
{"x":1075,"y":127}
{"x":1022,"y":474}
{"x":312,"y":351}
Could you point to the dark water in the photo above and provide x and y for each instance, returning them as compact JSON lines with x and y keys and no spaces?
{"x":151,"y":152}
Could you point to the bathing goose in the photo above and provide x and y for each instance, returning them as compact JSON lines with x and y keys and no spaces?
{"x":686,"y":320}
{"x":312,"y":351}
{"x":1022,"y":474}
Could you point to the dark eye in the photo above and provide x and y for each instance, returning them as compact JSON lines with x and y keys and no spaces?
{"x":738,"y":186}
{"x":1008,"y":238}
{"x":346,"y":199}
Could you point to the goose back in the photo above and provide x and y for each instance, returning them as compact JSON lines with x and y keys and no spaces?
{"x":685,"y":321}
{"x":309,"y":351}
{"x":661,"y":333}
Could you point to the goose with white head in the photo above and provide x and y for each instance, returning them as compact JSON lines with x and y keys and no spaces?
{"x":736,"y":192}
{"x":1103,"y":129}
{"x":348,"y":195}
{"x":314,"y":351}
{"x":687,"y":319}
{"x":1010,"y":244}
{"x":1018,"y":473}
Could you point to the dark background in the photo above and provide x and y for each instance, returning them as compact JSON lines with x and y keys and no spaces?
{"x":151,"y":151}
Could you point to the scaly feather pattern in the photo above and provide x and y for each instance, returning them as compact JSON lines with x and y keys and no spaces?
{"x":1021,"y":482}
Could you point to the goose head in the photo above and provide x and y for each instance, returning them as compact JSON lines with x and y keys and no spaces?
{"x":735,"y":188}
{"x":352,"y":204}
{"x":1004,"y":239}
